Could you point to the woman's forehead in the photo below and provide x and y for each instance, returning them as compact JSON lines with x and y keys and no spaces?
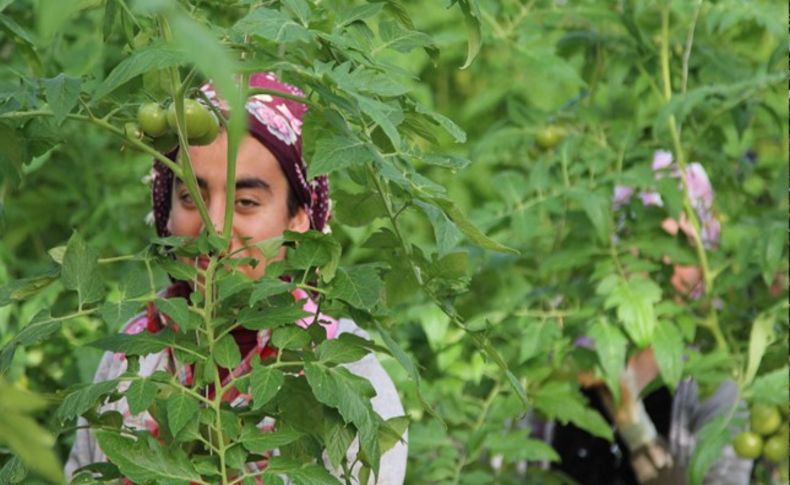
{"x":253,"y":161}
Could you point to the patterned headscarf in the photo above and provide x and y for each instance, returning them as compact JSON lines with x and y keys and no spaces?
{"x":275,"y":122}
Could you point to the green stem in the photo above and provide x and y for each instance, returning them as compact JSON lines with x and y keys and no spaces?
{"x":188,"y":176}
{"x":712,"y":322}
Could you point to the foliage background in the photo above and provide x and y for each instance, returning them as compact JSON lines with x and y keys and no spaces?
{"x":592,"y":68}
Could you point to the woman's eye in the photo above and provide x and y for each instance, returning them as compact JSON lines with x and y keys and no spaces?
{"x":246,"y":203}
{"x":185,"y":198}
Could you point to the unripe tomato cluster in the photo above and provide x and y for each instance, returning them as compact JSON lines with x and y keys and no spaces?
{"x":767,"y":436}
{"x":201,"y":125}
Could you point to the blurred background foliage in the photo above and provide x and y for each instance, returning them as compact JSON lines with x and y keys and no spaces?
{"x":563,"y":103}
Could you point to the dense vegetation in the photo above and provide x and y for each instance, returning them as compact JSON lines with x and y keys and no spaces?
{"x":507,"y":186}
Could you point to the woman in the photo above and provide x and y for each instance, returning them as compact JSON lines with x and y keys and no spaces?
{"x":272,"y":196}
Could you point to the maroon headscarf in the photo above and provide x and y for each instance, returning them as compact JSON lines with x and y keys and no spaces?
{"x":275,"y":122}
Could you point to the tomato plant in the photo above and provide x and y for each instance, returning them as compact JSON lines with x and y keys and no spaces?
{"x":528,"y":195}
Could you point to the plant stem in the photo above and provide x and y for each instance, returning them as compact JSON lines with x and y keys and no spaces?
{"x":712,"y":321}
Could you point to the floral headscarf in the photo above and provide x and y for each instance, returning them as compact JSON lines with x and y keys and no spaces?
{"x":277,"y":123}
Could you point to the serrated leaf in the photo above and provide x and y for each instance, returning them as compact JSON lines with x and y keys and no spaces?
{"x":598,"y":208}
{"x":358,"y":12}
{"x":145,"y":460}
{"x":339,"y":352}
{"x":469,"y":229}
{"x":445,"y":231}
{"x":635,"y":300}
{"x":178,"y":270}
{"x":266,"y":287}
{"x":360,"y":286}
{"x":24,"y":288}
{"x":291,"y":337}
{"x":153,"y":57}
{"x":338,"y":388}
{"x":338,"y":153}
{"x":177,"y":309}
{"x":146,"y":343}
{"x":265,"y":383}
{"x":42,"y":325}
{"x":273,"y":25}
{"x":140,"y":395}
{"x":300,"y":473}
{"x":454,"y":130}
{"x":181,"y":408}
{"x":62,"y":92}
{"x":668,"y":349}
{"x":610,"y":346}
{"x":80,"y":271}
{"x":559,"y":400}
{"x":85,"y":397}
{"x":226,"y":353}
{"x":396,"y":37}
{"x":357,"y":210}
{"x":232,"y":284}
{"x":771,"y":388}
{"x":116,"y":313}
{"x":257,"y":441}
{"x":255,"y":319}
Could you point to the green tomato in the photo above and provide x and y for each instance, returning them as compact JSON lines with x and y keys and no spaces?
{"x":133,"y":131}
{"x":549,"y":136}
{"x":754,"y":185}
{"x":210,"y":135}
{"x":748,"y":445}
{"x":198,"y":118}
{"x":166,"y":143}
{"x":775,"y":448}
{"x":152,"y":119}
{"x":765,"y":419}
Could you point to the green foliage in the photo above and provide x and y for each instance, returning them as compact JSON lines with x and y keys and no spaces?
{"x":475,"y":251}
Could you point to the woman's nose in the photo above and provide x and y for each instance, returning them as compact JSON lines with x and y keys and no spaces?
{"x":216,"y":212}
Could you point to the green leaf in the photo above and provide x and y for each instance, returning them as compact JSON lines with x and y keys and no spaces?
{"x":444,"y":230}
{"x":349,"y":394}
{"x":559,"y":400}
{"x":62,"y":94}
{"x":232,"y":284}
{"x":635,"y":301}
{"x":385,"y":116}
{"x":339,"y":351}
{"x":265,"y":383}
{"x":598,"y":208}
{"x":538,"y":336}
{"x":266,"y":287}
{"x":611,"y":346}
{"x":181,"y":409}
{"x":454,"y":130}
{"x":357,"y":210}
{"x":117,"y":313}
{"x":360,"y":286}
{"x":711,"y":440}
{"x":760,"y":337}
{"x":408,"y":365}
{"x":469,"y":229}
{"x":359,"y":12}
{"x":771,"y":388}
{"x":145,"y":460}
{"x":177,"y":309}
{"x":668,"y":349}
{"x":257,"y":319}
{"x":474,"y":32}
{"x":337,"y":437}
{"x":22,"y":289}
{"x":291,"y":337}
{"x":32,"y":444}
{"x":391,"y":432}
{"x":299,"y":473}
{"x":145,"y":343}
{"x":273,"y":25}
{"x":140,"y":395}
{"x":42,"y":325}
{"x":153,"y":57}
{"x":81,"y":271}
{"x":84,"y":398}
{"x":226,"y":353}
{"x":396,"y":37}
{"x":257,"y":441}
{"x":178,"y":270}
{"x":517,"y":445}
{"x":314,"y":249}
{"x":338,"y":153}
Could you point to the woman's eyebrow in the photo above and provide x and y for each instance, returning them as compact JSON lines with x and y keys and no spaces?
{"x":243,"y":183}
{"x":253,"y":183}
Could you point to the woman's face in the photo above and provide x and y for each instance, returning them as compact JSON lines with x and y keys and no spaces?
{"x":261,"y":202}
